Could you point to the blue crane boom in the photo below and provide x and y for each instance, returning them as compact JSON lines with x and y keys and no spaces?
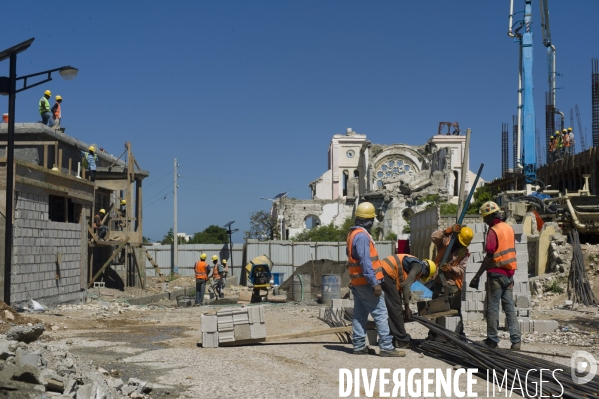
{"x":526,"y":109}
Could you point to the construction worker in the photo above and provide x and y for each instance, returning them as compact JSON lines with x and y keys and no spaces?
{"x":500,"y":264}
{"x":56,"y":114}
{"x":201,"y":269}
{"x":123,"y":214}
{"x":44,"y":106}
{"x":99,"y":225}
{"x":89,"y":161}
{"x":396,"y":281}
{"x":551,"y":148}
{"x":454,"y":268}
{"x":366,"y":275}
{"x":566,"y":139}
{"x":559,"y":143}
{"x":225,"y":273}
{"x":216,"y":271}
{"x":571,"y":137}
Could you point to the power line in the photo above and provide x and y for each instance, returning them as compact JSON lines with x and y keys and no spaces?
{"x":160,"y":192}
{"x":221,"y":192}
{"x":155,"y":201}
{"x":241,"y":173}
{"x":231,"y":182}
{"x":165,"y":175}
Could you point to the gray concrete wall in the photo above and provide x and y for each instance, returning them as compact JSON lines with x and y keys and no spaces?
{"x":37,"y":243}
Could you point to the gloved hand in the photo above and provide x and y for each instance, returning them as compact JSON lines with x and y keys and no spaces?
{"x":456,"y":228}
{"x":377,"y":290}
{"x":474,"y":283}
{"x":407,"y":314}
{"x":446,"y":268}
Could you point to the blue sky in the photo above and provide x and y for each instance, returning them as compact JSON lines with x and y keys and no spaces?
{"x":247,"y":94}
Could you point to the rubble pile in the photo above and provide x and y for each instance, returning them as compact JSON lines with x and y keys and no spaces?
{"x":560,"y":254}
{"x":31,"y":369}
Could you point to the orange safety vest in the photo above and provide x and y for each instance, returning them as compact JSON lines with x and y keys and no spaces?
{"x":353,"y":266}
{"x":392,"y":264}
{"x":566,"y":141}
{"x":461,"y":254}
{"x":552,"y":145}
{"x":57,"y":111}
{"x":200,"y":270}
{"x":215,"y":273}
{"x":505,"y":256}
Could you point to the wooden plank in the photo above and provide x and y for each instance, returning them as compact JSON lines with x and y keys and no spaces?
{"x":70,"y":166}
{"x":138,"y":269}
{"x":433,"y":316}
{"x":59,"y":164}
{"x":45,"y":165}
{"x":3,"y":143}
{"x":154,"y":264}
{"x":285,"y":337}
{"x":105,"y":265}
{"x":94,"y":236}
{"x":71,"y":193}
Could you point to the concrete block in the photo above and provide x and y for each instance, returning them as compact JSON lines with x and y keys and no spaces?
{"x":322,"y":312}
{"x":521,"y":238}
{"x":521,"y":248}
{"x":224,"y":319}
{"x":337,"y":303}
{"x":465,"y":306}
{"x":348,"y":303}
{"x":224,"y":312}
{"x":253,"y":314}
{"x":210,"y":340}
{"x":478,"y":237}
{"x":473,"y":316}
{"x":24,"y":358}
{"x":475,"y":247}
{"x":258,"y":330}
{"x":451,"y":323}
{"x":545,"y":326}
{"x":227,"y":336}
{"x":239,"y":319}
{"x":518,"y":228}
{"x":523,"y":312}
{"x":522,"y":301}
{"x":209,"y":323}
{"x":372,"y":337}
{"x":226,"y":327}
{"x":242,"y":331}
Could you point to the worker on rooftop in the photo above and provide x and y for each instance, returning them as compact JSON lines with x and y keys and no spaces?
{"x":400,"y":272}
{"x":366,"y":275}
{"x":89,"y":161}
{"x":56,"y":113}
{"x":450,"y":278}
{"x":201,"y":269}
{"x":44,"y":107}
{"x":500,"y":264}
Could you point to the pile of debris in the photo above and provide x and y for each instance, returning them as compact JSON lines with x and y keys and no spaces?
{"x":560,"y":254}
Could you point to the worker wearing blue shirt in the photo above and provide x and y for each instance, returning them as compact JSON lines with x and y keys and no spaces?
{"x":365,"y":273}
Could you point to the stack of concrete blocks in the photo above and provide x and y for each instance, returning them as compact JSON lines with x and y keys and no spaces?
{"x":47,"y":255}
{"x":473,"y":300}
{"x":233,"y":324}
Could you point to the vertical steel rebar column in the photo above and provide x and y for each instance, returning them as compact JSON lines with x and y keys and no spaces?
{"x":505,"y":154}
{"x":515,"y":138}
{"x":595,"y":100}
{"x":549,"y":124}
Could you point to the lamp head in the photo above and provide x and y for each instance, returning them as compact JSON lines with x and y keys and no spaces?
{"x":68,"y":72}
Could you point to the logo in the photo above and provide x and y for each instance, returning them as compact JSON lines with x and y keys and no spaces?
{"x":583,"y":363}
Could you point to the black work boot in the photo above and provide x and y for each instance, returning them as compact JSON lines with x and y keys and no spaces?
{"x":363,"y":351}
{"x":392,"y":353}
{"x":490,"y":343}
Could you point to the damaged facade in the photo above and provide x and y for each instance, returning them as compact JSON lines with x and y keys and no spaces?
{"x":396,"y":178}
{"x":55,"y":252}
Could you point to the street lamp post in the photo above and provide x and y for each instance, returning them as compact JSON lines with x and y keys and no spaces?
{"x":8,"y":86}
{"x":230,"y":232}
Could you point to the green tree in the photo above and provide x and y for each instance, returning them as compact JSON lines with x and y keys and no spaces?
{"x":262,"y":227}
{"x":168,"y":238}
{"x":211,"y":235}
{"x":146,"y":239}
{"x":391,"y":236}
{"x":326,"y":233}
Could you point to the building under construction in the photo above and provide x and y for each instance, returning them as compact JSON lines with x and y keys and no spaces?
{"x":56,"y":253}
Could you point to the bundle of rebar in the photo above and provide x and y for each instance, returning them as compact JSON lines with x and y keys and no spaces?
{"x":458,"y":350}
{"x":337,"y":318}
{"x":579,"y":288}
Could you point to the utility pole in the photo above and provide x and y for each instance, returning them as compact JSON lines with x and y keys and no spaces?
{"x":175,"y":267}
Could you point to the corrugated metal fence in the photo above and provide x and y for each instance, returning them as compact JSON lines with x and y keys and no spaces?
{"x":286,"y":255}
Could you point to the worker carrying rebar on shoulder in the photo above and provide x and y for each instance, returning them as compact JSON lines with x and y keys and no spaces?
{"x":500,"y":263}
{"x":454,"y":269}
{"x":566,"y":138}
{"x":44,"y":107}
{"x":201,"y":269}
{"x":400,"y":271}
{"x":216,"y":271}
{"x":366,"y":275}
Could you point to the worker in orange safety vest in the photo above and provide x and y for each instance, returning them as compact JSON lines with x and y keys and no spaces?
{"x":56,"y":113}
{"x":201,"y":270}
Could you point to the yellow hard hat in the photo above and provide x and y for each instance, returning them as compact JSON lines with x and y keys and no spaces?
{"x":465,"y":236}
{"x":366,"y":211}
{"x":203,"y":256}
{"x":550,"y":137}
{"x":102,"y":211}
{"x":123,"y":202}
{"x":224,"y":261}
{"x":569,"y":129}
{"x":48,"y":93}
{"x":58,"y":98}
{"x":488,"y":208}
{"x":91,"y":148}
{"x":432,"y":269}
{"x":557,"y":132}
{"x":565,"y":131}
{"x":214,"y":257}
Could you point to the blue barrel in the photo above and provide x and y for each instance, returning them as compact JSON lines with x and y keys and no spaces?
{"x":330,"y":288}
{"x":278,"y":278}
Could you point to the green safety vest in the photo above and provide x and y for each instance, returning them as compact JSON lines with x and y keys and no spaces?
{"x":44,"y":105}
{"x":560,"y":142}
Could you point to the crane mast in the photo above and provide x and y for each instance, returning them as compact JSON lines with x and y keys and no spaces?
{"x":526,"y":109}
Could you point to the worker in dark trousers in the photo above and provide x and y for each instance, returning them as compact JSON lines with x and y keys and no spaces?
{"x":453,"y":269}
{"x":201,"y":269}
{"x":400,"y":272}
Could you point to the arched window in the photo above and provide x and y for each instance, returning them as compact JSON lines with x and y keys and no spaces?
{"x":456,"y":183}
{"x":345,"y":179}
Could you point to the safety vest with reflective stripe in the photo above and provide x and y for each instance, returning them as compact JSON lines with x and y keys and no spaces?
{"x":57,"y":114}
{"x":353,"y":266}
{"x":215,"y":273}
{"x":459,"y":256}
{"x":552,"y":145}
{"x":201,"y":270}
{"x":505,"y":255}
{"x":392,"y":264}
{"x":44,"y":105}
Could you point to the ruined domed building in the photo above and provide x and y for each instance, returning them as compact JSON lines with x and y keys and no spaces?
{"x":399,"y":179}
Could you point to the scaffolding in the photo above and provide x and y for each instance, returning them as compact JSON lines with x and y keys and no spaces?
{"x":505,"y":154}
{"x":549,"y":125}
{"x":515,"y":143}
{"x":595,"y":100}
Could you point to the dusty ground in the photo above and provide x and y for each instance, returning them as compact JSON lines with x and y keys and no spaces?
{"x":160,"y":344}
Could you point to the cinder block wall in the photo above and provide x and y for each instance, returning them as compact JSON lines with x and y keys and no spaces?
{"x":37,"y":243}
